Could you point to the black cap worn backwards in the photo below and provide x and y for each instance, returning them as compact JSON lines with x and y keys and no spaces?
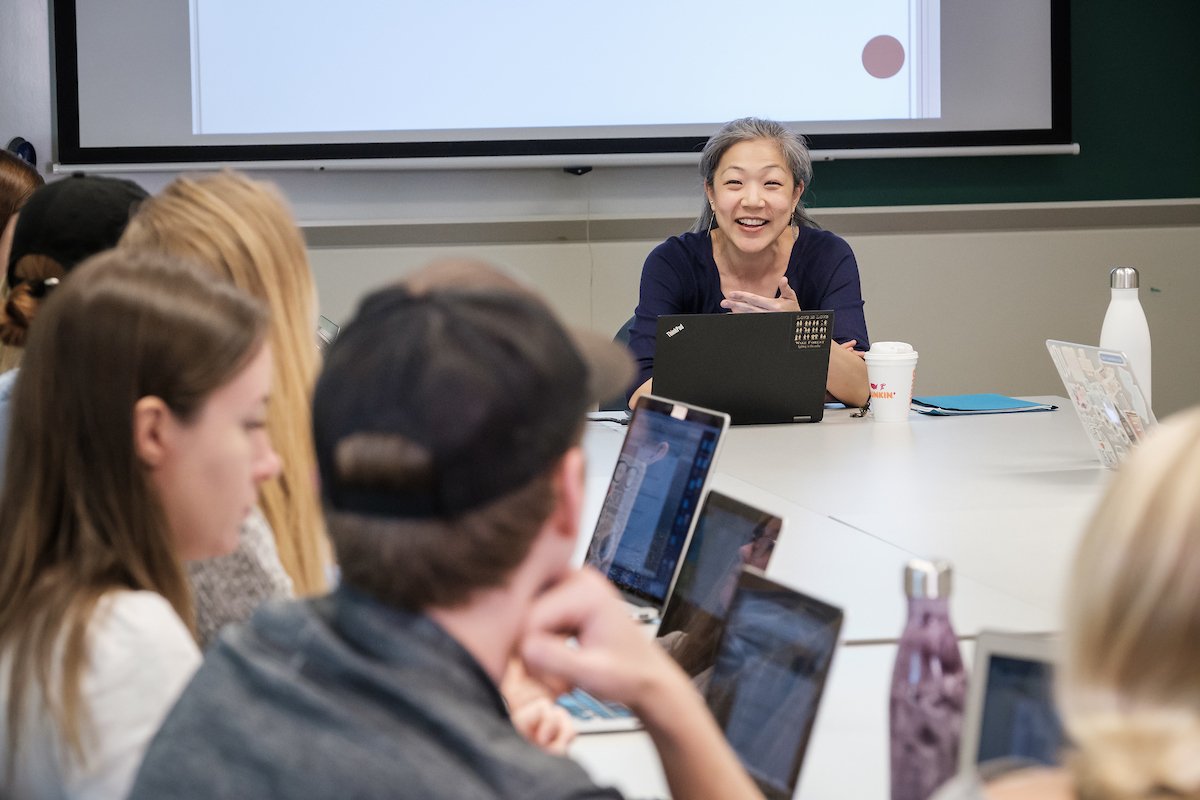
{"x":73,"y":219}
{"x":434,"y":402}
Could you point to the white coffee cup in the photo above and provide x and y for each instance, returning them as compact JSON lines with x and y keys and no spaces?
{"x":891,"y":369}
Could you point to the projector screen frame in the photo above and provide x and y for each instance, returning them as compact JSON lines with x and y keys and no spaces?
{"x":71,"y":152}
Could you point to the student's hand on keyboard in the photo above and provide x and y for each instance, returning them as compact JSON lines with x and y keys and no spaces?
{"x":612,"y":658}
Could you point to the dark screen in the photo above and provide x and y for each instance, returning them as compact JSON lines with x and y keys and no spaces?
{"x":767,"y":681}
{"x":728,"y":536}
{"x":1019,"y":719}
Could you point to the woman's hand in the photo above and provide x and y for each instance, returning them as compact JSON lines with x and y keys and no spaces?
{"x":847,"y":381}
{"x":750,"y":303}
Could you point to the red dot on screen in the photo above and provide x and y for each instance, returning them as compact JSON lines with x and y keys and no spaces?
{"x":883,"y":56}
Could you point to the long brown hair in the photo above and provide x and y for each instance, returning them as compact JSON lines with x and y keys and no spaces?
{"x":243,"y":230}
{"x":18,"y":180}
{"x":79,"y":515}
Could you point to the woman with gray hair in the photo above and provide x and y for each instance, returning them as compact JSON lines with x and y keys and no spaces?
{"x":754,"y":249}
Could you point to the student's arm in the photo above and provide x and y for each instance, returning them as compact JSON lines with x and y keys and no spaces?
{"x":614,"y":660}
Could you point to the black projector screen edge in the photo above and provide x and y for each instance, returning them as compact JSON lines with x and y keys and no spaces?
{"x":72,"y":152}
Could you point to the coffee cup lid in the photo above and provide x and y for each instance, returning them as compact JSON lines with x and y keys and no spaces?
{"x":890,"y":350}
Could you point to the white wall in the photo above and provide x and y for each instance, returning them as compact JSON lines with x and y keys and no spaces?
{"x":978,"y":306}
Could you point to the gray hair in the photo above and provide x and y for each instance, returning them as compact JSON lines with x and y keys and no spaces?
{"x":791,"y":145}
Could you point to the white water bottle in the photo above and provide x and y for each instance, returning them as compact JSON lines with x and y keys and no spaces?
{"x":1125,"y":327}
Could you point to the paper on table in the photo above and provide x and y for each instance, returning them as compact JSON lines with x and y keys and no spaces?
{"x":962,"y":404}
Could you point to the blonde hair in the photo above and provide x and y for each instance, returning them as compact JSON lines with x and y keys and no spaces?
{"x":243,"y":229}
{"x":1130,"y":683}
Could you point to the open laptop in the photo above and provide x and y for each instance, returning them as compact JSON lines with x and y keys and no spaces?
{"x":1106,"y":395}
{"x":1010,"y":710}
{"x":728,"y":535}
{"x":758,"y":368}
{"x":650,"y":508}
{"x":769,"y":676}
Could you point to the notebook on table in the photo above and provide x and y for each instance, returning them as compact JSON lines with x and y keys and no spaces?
{"x":1106,"y":395}
{"x":758,"y":368}
{"x":1010,"y":711}
{"x":650,"y":507}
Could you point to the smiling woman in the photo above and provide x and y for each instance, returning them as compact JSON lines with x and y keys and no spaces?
{"x":754,"y":249}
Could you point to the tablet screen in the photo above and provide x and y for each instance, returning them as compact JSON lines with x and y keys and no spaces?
{"x":769,"y":675}
{"x":1019,"y":719}
{"x":728,"y":535}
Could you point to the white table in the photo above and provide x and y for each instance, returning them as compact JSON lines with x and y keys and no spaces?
{"x":1003,"y":497}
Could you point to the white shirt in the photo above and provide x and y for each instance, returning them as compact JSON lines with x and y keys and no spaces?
{"x":140,"y":658}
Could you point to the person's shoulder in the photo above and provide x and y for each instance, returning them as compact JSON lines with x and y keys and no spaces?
{"x":7,"y":381}
{"x":143,"y":626}
{"x":686,"y":248}
{"x":819,"y":240}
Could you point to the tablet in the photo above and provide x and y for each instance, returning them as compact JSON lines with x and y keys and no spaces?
{"x":769,"y":676}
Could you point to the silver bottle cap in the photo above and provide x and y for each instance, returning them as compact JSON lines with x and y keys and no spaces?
{"x":1124,"y":278}
{"x":927,"y":578}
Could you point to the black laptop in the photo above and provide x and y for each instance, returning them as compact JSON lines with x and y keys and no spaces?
{"x":758,"y":368}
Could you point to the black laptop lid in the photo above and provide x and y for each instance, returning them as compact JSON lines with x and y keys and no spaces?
{"x":653,"y":496}
{"x":757,"y":368}
{"x":729,"y":534}
{"x":769,"y":676}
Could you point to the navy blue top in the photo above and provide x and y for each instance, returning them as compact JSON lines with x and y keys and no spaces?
{"x":680,"y":277}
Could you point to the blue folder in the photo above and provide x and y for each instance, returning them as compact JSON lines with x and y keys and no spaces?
{"x":955,"y":405}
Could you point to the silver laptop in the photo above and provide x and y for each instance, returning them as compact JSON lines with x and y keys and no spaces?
{"x":728,"y":535}
{"x":650,"y":508}
{"x":1105,"y":392}
{"x":1010,"y":712}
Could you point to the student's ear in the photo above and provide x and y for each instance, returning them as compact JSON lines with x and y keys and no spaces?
{"x":569,"y":490}
{"x":152,"y":419}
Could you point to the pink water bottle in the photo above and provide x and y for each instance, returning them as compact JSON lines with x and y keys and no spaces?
{"x":929,"y":686}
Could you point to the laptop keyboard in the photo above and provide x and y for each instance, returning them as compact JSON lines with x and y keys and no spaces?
{"x":582,"y":705}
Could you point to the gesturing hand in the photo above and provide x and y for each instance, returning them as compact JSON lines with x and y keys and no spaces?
{"x":749,"y":303}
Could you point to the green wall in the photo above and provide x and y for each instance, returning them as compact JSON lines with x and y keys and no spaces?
{"x":1135,"y":96}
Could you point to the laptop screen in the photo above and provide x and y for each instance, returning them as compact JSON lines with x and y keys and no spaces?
{"x":1019,"y":719}
{"x":769,"y":675}
{"x":728,"y":535}
{"x":655,"y":489}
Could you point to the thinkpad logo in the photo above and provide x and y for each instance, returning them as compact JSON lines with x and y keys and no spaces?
{"x":675,"y":330}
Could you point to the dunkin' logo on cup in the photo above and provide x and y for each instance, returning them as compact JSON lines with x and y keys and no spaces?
{"x":878,"y":392}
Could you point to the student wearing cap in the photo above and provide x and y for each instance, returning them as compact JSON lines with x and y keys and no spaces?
{"x":447,"y":424}
{"x":60,"y":225}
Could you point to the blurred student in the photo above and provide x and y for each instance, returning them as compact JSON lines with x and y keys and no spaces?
{"x":447,"y":425}
{"x":1129,"y":687}
{"x":59,"y":226}
{"x":18,"y":181}
{"x":243,"y":231}
{"x":142,"y":402}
